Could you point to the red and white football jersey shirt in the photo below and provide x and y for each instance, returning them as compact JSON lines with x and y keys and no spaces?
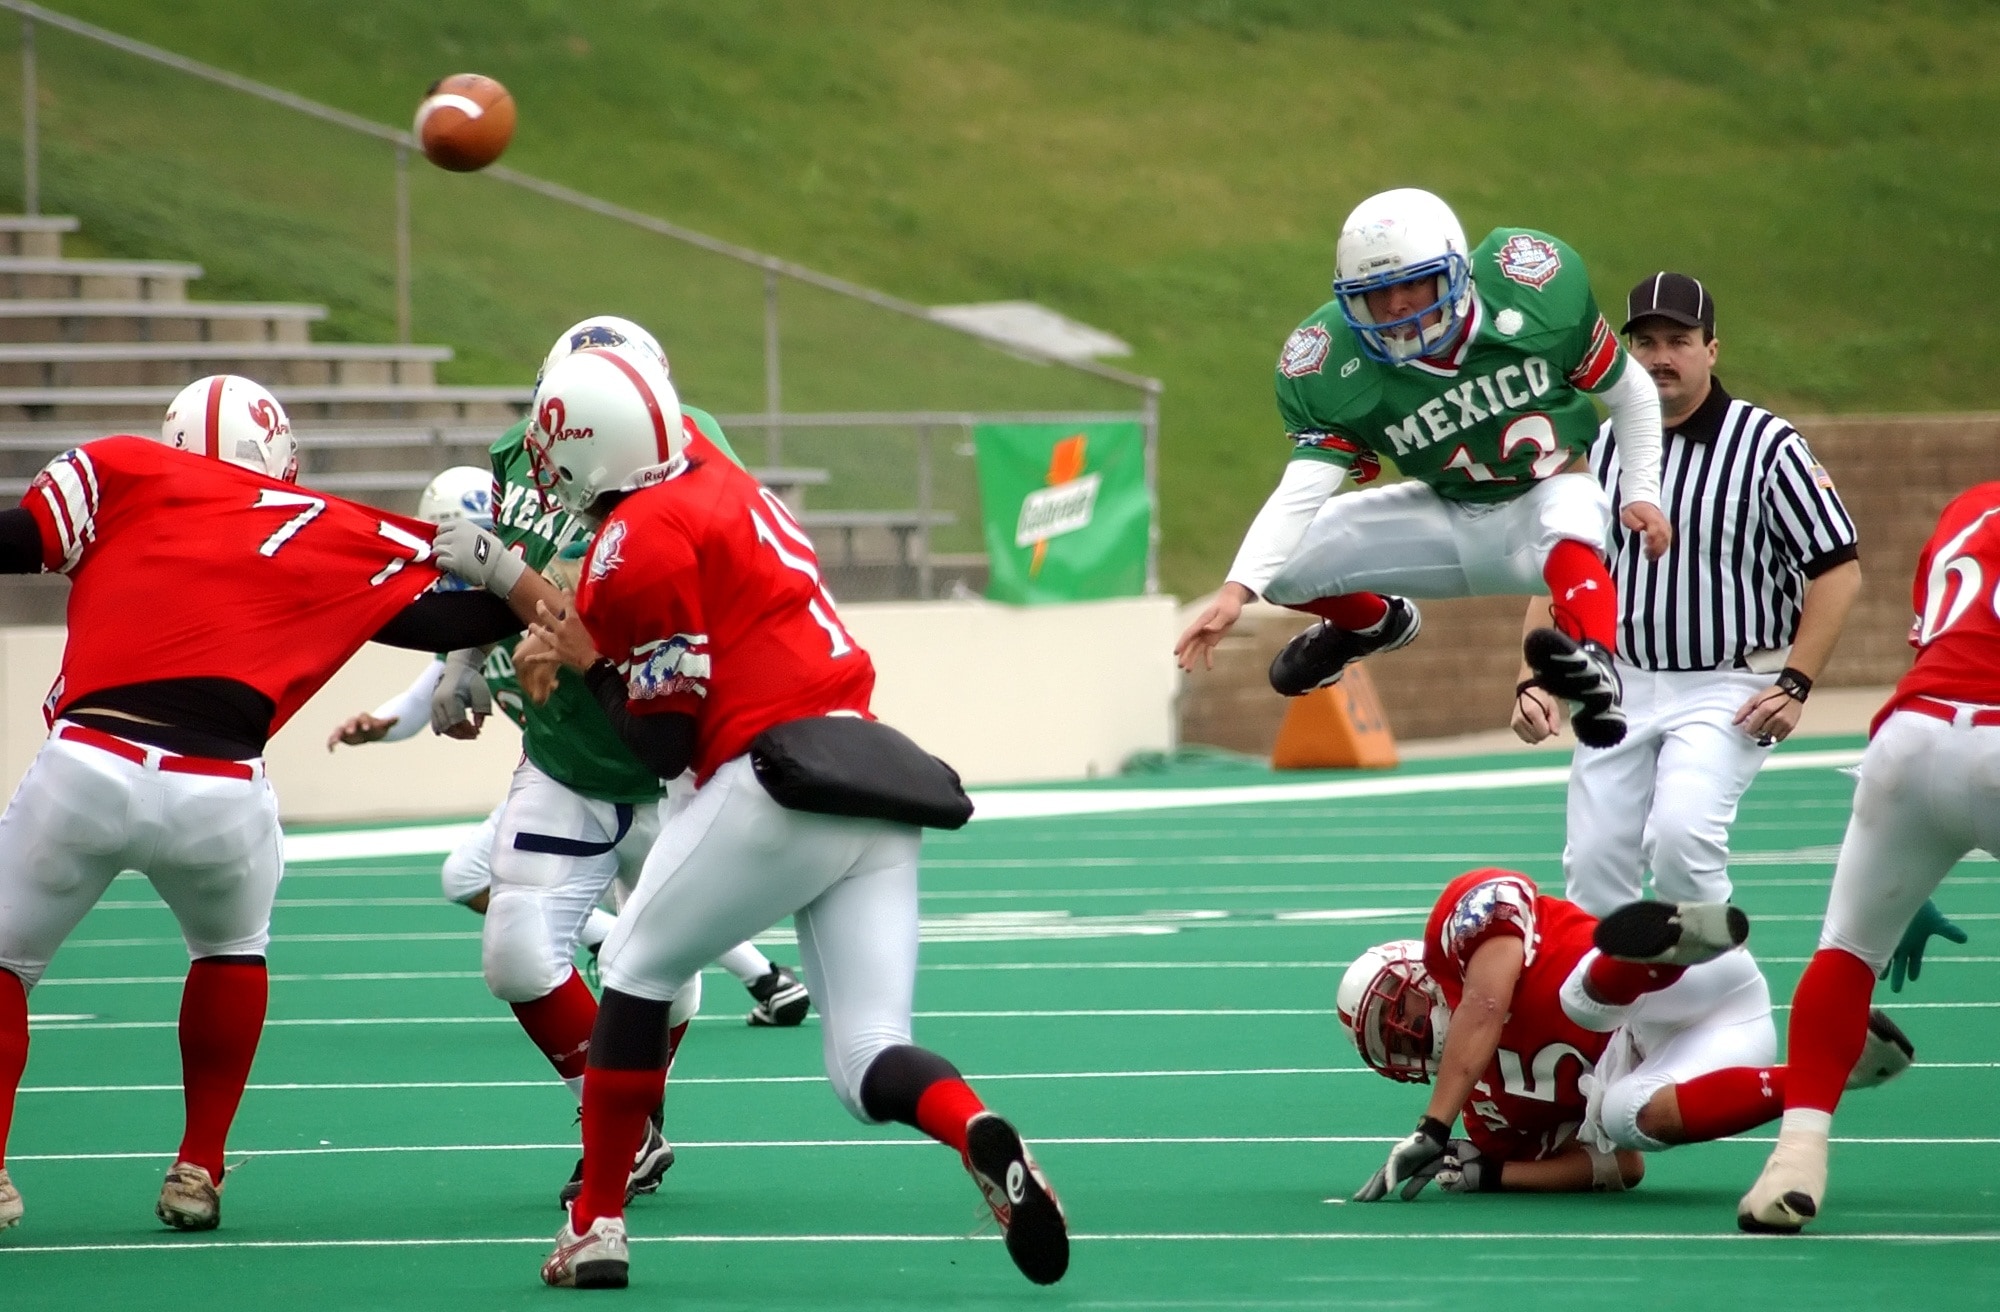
{"x":1527,"y":1106}
{"x":182,"y":567}
{"x":707,"y":594}
{"x":1956,"y":598}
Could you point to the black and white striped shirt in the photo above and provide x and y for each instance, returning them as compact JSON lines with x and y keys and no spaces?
{"x":1755,"y":516}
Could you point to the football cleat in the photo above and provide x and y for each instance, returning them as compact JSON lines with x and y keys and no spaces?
{"x":1321,"y":654}
{"x":190,"y":1199}
{"x":781,"y":999}
{"x":10,"y":1201}
{"x":1671,"y":933}
{"x":649,"y":1165}
{"x":1019,"y":1194}
{"x":1787,"y":1195}
{"x":1886,"y":1054}
{"x":596,"y":1259}
{"x":1582,"y":674}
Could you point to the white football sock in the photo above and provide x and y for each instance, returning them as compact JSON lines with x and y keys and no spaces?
{"x":745,"y":962}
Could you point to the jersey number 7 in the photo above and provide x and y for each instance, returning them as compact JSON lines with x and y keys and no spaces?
{"x":310,"y":507}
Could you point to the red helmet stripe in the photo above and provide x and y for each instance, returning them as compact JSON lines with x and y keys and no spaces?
{"x":645,"y":394}
{"x":213,"y":425}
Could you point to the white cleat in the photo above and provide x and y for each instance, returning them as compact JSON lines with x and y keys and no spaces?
{"x":1671,"y":933}
{"x":1787,"y":1195}
{"x":10,"y":1202}
{"x":190,"y":1199}
{"x":1887,"y":1053}
{"x":596,"y":1259}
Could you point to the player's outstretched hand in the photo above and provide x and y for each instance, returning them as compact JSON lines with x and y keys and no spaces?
{"x":467,"y":551}
{"x":359,"y":729}
{"x":1412,"y":1163}
{"x":1644,"y":517}
{"x":562,"y":632}
{"x":461,"y":701}
{"x":1536,"y":715}
{"x":1908,"y":959}
{"x":1211,"y":626}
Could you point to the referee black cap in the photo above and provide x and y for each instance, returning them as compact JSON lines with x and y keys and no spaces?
{"x":1673,"y":296}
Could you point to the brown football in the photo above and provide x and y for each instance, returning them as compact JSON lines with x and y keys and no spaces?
{"x":464,"y":122}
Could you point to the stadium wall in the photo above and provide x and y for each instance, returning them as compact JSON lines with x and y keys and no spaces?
{"x":1005,"y":694}
{"x":1894,"y":474}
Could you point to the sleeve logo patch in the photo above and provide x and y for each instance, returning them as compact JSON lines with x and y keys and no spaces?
{"x":1529,"y":261}
{"x":607,"y":553}
{"x":1821,"y":477}
{"x":675,"y":665}
{"x":1305,"y":351}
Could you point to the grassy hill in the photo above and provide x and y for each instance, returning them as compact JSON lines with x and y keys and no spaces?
{"x":1172,"y":170}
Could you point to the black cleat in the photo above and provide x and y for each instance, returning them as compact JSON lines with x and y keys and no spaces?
{"x":1582,"y":674}
{"x":1886,"y":1053}
{"x":655,"y":1158}
{"x":1020,"y":1196}
{"x":781,"y":999}
{"x":1671,"y":933}
{"x":1321,"y":654}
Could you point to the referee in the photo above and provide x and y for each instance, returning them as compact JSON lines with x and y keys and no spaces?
{"x":1719,"y":640}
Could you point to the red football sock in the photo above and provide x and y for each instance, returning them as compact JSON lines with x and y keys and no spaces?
{"x":1621,"y":983}
{"x":944,"y":1109}
{"x":222,"y":1017}
{"x":1726,"y":1102}
{"x":1586,"y":603}
{"x":560,"y":1022}
{"x":1829,"y":1028}
{"x":1352,"y":611}
{"x":616,"y":1104}
{"x":13,"y":1049}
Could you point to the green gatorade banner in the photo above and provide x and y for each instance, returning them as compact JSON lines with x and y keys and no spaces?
{"x":1066,"y":510}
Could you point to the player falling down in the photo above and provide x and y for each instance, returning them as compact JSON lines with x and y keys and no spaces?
{"x":1472,"y":370}
{"x":1571,"y":1045}
{"x":1929,"y":793}
{"x":723,"y":647}
{"x":777,"y":997}
{"x":273,"y":588}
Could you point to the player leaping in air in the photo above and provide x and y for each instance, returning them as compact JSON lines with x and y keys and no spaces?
{"x":1571,"y":1045}
{"x":1469,"y":368}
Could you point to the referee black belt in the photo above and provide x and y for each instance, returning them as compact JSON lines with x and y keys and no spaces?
{"x":556,"y":845}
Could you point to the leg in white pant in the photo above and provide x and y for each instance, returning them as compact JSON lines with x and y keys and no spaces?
{"x":1610,"y":792}
{"x":745,"y":962}
{"x":1706,"y":765}
{"x":858,"y":943}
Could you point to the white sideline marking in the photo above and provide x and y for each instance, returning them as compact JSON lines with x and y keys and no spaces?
{"x":69,"y":1023}
{"x":1323,"y":1236}
{"x":1022,"y":804}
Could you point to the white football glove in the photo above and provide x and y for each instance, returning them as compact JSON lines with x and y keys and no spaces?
{"x":1412,"y":1163}
{"x":467,"y":551}
{"x":1465,"y":1170}
{"x":461,"y":693}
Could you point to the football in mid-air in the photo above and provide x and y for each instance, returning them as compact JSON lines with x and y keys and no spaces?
{"x":464,"y":122}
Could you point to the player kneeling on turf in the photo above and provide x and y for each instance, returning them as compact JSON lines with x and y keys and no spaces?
{"x":722,"y":650}
{"x":1570,"y":1045}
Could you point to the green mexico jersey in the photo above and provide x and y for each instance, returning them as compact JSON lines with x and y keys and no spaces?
{"x":568,"y":738}
{"x":1506,"y":410}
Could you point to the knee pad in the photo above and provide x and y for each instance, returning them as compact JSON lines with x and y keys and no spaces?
{"x":514,"y":949}
{"x":1579,"y":1006}
{"x":464,"y":875}
{"x":1619,"y":1112}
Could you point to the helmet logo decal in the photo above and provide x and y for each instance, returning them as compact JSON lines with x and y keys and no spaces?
{"x":1305,"y":352}
{"x":597,"y":334}
{"x":1528,"y":260}
{"x":264,"y":413}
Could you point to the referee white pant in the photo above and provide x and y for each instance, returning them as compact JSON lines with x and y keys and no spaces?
{"x":732,"y":863}
{"x":1663,"y":799}
{"x":209,"y":844}
{"x":1929,"y":794}
{"x":1408,"y":540}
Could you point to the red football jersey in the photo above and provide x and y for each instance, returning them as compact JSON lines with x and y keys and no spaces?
{"x":707,"y":594}
{"x":1527,"y":1106}
{"x":182,"y":567}
{"x":1956,"y":598}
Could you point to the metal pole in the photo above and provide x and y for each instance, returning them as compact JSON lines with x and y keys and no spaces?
{"x":31,"y":146}
{"x":774,"y":437}
{"x":402,"y":243}
{"x":1151,"y":419}
{"x":924,"y":579}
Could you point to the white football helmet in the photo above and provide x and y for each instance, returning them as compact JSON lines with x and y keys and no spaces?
{"x":461,"y":492}
{"x":605,"y":419}
{"x":1395,"y":237}
{"x":1394,"y":1011}
{"x":602,"y":330}
{"x":231,"y":418}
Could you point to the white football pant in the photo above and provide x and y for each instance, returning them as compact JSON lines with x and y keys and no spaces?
{"x":730,"y":863}
{"x":1664,"y":798}
{"x":210,"y":846}
{"x":1407,"y":540}
{"x":1929,"y":794}
{"x":468,"y":869}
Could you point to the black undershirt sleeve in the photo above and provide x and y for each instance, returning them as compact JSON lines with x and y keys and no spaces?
{"x":20,"y":542}
{"x":663,"y":743}
{"x":446,"y":621}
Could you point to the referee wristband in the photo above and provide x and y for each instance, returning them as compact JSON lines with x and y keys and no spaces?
{"x":1793,"y":684}
{"x":1523,"y":686}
